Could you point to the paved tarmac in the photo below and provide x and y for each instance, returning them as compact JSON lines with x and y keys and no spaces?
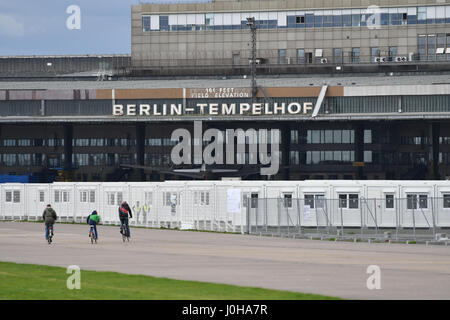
{"x":323,"y":267}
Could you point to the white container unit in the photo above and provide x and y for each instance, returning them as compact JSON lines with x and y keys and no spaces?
{"x":13,"y":201}
{"x":442,"y":204}
{"x":87,"y":199}
{"x":38,"y":196}
{"x":415,"y":209}
{"x":112,"y":195}
{"x":346,"y":208}
{"x":313,"y":205}
{"x":142,"y":204}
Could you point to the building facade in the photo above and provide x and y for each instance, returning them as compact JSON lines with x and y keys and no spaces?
{"x":293,"y":36}
{"x":359,"y":130}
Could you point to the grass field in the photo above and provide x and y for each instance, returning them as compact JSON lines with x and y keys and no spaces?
{"x":37,"y":282}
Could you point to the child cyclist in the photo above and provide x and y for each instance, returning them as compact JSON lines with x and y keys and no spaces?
{"x":93,"y":219}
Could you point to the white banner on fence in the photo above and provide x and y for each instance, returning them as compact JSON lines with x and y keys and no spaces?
{"x":307,"y":212}
{"x":233,"y":200}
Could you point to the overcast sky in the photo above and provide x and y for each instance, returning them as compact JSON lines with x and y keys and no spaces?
{"x":38,"y":27}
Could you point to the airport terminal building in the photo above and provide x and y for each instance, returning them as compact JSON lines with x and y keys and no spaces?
{"x":351,"y":102}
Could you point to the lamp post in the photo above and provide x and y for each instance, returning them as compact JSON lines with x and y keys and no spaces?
{"x":252,"y":25}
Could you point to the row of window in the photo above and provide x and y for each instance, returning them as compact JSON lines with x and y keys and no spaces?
{"x":433,"y":47}
{"x":103,"y":159}
{"x":33,"y":142}
{"x":202,"y":198}
{"x":298,"y":19}
{"x":328,"y":136}
{"x":349,"y":201}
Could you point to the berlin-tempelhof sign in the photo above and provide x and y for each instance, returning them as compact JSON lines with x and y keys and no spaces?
{"x":213,"y":109}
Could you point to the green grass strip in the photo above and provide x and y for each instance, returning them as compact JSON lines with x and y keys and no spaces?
{"x":39,"y":282}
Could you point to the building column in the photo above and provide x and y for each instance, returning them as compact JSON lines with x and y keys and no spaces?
{"x":140,"y":149}
{"x":285,"y":149}
{"x":434,"y":130}
{"x":359,"y":149}
{"x":68,"y":148}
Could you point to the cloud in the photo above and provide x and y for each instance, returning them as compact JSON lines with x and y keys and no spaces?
{"x":10,"y":27}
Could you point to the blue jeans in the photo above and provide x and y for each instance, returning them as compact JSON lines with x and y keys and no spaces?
{"x":94,"y":224}
{"x":124,"y":221}
{"x":47,"y":225}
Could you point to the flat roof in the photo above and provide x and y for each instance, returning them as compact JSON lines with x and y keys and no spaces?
{"x":319,"y":80}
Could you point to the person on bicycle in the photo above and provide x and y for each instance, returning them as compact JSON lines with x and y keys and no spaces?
{"x":92,"y":220}
{"x":124,"y":211}
{"x":49,"y":216}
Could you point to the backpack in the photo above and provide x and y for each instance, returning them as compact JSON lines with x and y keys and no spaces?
{"x":123,"y":213}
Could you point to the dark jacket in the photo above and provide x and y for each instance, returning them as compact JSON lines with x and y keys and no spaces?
{"x":49,"y":216}
{"x":121,"y":212}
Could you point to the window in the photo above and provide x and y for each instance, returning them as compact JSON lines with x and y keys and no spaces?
{"x":287,"y":200}
{"x":300,"y":19}
{"x":389,"y":203}
{"x":87,"y":196}
{"x":9,"y":143}
{"x":282,"y":56}
{"x":114,"y":198}
{"x":8,"y":196}
{"x":83,"y":196}
{"x":253,"y":199}
{"x":148,"y":198}
{"x":169,"y":198}
{"x":393,"y":52}
{"x":164,"y":23}
{"x":337,"y":54}
{"x":374,"y":52}
{"x":92,"y":196}
{"x":301,"y":55}
{"x":41,"y":196}
{"x":415,"y":201}
{"x":348,"y":201}
{"x":315,"y":200}
{"x":110,"y":196}
{"x":294,"y":157}
{"x":146,"y":23}
{"x":446,"y":200}
{"x":9,"y":160}
{"x":201,"y":198}
{"x":61,"y":196}
{"x":355,"y":55}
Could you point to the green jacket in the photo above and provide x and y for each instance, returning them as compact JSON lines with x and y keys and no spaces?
{"x":49,"y":216}
{"x":94,"y":217}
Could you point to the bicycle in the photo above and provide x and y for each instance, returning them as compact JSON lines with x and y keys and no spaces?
{"x":92,"y":235}
{"x":50,"y":234}
{"x":124,"y":232}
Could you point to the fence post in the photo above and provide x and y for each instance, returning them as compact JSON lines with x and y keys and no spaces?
{"x":361,"y":216}
{"x":299,"y":218}
{"x":278,"y":216}
{"x":342,"y":224}
{"x":414,"y":218}
{"x":433,"y":205}
{"x":256,"y":216}
{"x":247,"y":213}
{"x":287,"y":215}
{"x":375,"y":214}
{"x":265,"y":213}
{"x":397,"y":218}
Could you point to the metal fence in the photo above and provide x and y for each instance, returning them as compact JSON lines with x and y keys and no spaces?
{"x":358,"y":219}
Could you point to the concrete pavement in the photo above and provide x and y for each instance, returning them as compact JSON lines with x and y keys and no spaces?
{"x":310,"y":266}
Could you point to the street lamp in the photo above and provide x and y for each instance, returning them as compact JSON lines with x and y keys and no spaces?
{"x":252,"y":25}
